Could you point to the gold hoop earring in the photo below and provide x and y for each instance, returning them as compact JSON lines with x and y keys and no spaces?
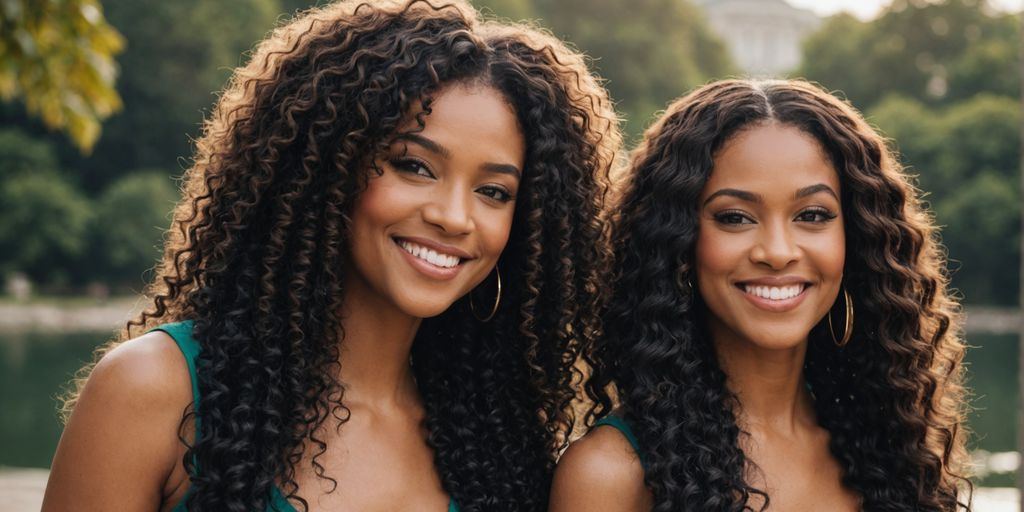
{"x":848,"y":327}
{"x":497,"y":300}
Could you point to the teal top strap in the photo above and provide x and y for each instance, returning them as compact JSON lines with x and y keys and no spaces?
{"x":623,"y":427}
{"x":181,"y":332}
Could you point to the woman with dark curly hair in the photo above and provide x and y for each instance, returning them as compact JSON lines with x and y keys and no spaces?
{"x":779,"y":330}
{"x":381,"y":274}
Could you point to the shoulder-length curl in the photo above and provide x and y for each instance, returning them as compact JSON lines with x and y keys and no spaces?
{"x":259,"y":244}
{"x":891,"y":399}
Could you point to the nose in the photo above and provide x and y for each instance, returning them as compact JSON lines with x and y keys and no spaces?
{"x":450,"y":210}
{"x":775,"y":247}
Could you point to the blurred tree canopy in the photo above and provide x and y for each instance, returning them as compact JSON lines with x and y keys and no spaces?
{"x":940,"y":79}
{"x":58,"y":57}
{"x":938,"y":52}
{"x":179,"y":54}
{"x":649,"y":51}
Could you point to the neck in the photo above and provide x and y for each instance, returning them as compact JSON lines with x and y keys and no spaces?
{"x":768,"y":382}
{"x":375,"y":351}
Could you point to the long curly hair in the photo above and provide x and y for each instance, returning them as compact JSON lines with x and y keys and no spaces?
{"x":892,"y":399}
{"x":259,"y":244}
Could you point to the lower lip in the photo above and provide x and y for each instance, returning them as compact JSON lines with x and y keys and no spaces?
{"x":428,"y":269}
{"x":775,"y":306}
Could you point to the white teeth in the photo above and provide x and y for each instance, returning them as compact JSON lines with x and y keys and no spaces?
{"x":429,"y":255}
{"x":775,"y":292}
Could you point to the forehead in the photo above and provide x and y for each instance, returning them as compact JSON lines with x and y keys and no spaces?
{"x":471,"y":119}
{"x":771,"y":158}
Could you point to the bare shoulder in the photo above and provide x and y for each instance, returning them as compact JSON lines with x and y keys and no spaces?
{"x":148,"y":371}
{"x":120,"y":445}
{"x":600,"y":472}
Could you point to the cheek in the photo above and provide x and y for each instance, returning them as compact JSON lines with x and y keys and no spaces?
{"x":381,"y":199}
{"x":829,"y":254}
{"x":716,"y":253}
{"x":494,"y":228}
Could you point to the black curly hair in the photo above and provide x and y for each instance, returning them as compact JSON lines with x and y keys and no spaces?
{"x":892,"y":399}
{"x":256,"y":253}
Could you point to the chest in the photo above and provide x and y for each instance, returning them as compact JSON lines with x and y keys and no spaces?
{"x":800,"y":476}
{"x":376,"y":468}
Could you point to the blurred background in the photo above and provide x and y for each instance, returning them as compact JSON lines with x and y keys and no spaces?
{"x":102,"y":100}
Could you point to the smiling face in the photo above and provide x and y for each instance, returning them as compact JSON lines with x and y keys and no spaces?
{"x":771,"y":247}
{"x":431,"y":226}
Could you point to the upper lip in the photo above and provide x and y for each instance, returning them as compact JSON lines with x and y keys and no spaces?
{"x":774,"y":281}
{"x":437,"y":246}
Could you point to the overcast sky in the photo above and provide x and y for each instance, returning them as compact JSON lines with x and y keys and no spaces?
{"x":866,"y":9}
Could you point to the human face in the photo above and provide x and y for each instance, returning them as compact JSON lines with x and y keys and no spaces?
{"x":771,"y":247}
{"x":431,"y":226}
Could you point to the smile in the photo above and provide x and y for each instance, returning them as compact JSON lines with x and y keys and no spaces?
{"x":778,"y":298}
{"x":778,"y":293}
{"x":429,"y":255}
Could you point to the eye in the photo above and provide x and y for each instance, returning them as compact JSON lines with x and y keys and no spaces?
{"x":496,"y":193}
{"x":815,"y":215}
{"x":412,"y":166}
{"x":733,"y":217}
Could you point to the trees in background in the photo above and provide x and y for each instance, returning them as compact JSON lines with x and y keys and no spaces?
{"x":68,"y":218}
{"x":58,"y":58}
{"x":940,"y":79}
{"x":649,"y":51}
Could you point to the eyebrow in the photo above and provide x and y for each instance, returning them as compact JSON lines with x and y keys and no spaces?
{"x":436,"y":148}
{"x":756,"y":198}
{"x":739,"y":194}
{"x":503,"y":169}
{"x":814,"y":189}
{"x":426,"y":143}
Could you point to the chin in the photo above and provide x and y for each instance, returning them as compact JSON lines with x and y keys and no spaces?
{"x":777,"y":339}
{"x":424,"y":308}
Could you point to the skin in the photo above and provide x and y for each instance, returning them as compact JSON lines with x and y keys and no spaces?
{"x":451,"y":186}
{"x":770,"y":215}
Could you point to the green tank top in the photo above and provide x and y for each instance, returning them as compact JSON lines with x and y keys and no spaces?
{"x":623,"y":427}
{"x":181,"y":332}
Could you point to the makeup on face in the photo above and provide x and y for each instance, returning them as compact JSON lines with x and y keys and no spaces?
{"x":432,"y":224}
{"x":771,"y":244}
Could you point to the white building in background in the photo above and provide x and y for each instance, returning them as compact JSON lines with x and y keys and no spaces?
{"x":764,"y":36}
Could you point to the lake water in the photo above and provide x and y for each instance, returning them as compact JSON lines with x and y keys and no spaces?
{"x":34,"y":368}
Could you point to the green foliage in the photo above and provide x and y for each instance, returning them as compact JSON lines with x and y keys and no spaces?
{"x":967,"y":156}
{"x":179,"y":54}
{"x":649,"y":51}
{"x":58,"y":57}
{"x":43,"y":226}
{"x":131,"y":216}
{"x":940,"y":51}
{"x":21,"y":154}
{"x":508,"y":9}
{"x":982,"y":234}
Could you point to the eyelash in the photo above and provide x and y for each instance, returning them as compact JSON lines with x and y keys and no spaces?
{"x":821,"y":216}
{"x":412,"y":166}
{"x":820,"y":213}
{"x":496,"y":193}
{"x":417,"y":167}
{"x":726,"y":216}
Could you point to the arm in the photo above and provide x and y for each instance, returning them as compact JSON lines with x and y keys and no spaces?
{"x":120,"y":446}
{"x":600,"y":473}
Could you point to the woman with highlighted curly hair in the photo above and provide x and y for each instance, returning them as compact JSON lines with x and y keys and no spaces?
{"x":779,"y":331}
{"x":381,"y":274}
